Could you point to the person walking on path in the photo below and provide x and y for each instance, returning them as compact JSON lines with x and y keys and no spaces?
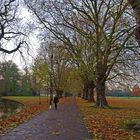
{"x":56,"y":100}
{"x":65,"y":124}
{"x":51,"y":102}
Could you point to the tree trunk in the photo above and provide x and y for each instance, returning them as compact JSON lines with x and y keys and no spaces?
{"x":59,"y":93}
{"x":85,"y":92}
{"x":135,"y":4}
{"x":91,"y":92}
{"x":100,"y":89}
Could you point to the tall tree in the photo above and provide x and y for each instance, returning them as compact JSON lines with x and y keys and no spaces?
{"x":136,"y":8}
{"x":58,"y":62}
{"x":40,"y":73}
{"x":8,"y":31}
{"x":104,"y":24}
{"x":12,"y":77}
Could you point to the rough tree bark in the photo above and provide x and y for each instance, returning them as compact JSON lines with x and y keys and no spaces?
{"x":101,"y":98}
{"x":88,"y":91}
{"x":100,"y":87}
{"x":91,"y":92}
{"x":85,"y":91}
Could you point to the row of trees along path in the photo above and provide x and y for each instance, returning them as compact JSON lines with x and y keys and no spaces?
{"x":63,"y":124}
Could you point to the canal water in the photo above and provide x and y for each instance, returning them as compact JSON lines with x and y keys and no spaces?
{"x":8,"y":107}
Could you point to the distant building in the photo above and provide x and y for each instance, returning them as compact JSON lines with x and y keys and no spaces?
{"x":135,"y":91}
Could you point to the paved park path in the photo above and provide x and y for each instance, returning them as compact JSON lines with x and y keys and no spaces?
{"x":66,"y":123}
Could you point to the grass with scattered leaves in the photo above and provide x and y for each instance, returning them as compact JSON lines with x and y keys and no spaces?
{"x":112,"y":123}
{"x":31,"y":108}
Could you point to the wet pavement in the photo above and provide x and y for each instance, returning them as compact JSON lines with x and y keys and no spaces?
{"x":66,"y":123}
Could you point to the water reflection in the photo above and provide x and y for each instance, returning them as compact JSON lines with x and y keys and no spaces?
{"x":8,"y":107}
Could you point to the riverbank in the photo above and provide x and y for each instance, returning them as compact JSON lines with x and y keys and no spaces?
{"x":32,"y":108}
{"x":65,"y":123}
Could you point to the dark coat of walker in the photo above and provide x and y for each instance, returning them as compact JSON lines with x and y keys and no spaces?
{"x":51,"y":102}
{"x":56,"y":100}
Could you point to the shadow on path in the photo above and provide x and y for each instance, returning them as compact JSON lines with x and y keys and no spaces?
{"x":66,"y":123}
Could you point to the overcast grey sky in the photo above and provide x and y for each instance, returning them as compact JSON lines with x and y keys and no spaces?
{"x":33,"y":42}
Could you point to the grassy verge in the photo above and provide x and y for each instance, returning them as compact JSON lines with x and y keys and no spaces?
{"x":106,"y":124}
{"x":32,"y":108}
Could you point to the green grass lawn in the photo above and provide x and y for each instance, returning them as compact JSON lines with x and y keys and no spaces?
{"x":135,"y":98}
